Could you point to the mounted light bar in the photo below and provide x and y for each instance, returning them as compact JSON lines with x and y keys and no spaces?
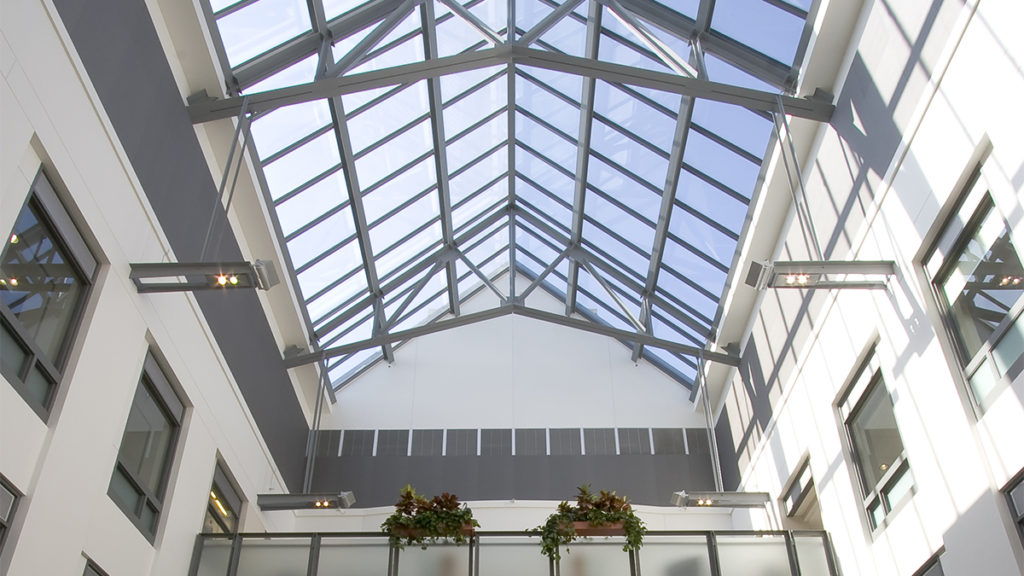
{"x":685,"y":499}
{"x":189,"y":277}
{"x":268,"y":502}
{"x":810,"y":274}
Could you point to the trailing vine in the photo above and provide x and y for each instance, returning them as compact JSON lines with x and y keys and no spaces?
{"x":420,"y":521}
{"x":601,"y":509}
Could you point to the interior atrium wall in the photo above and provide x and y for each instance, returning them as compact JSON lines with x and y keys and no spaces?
{"x":61,"y":463}
{"x":928,"y":97}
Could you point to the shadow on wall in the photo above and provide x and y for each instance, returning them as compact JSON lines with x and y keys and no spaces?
{"x":850,"y":167}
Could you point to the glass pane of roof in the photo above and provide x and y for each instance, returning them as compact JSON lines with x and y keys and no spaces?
{"x":388,"y":116}
{"x":454,"y":35}
{"x":335,"y":8}
{"x":539,"y":102}
{"x":493,"y":13}
{"x":246,"y":33}
{"x":685,"y":7}
{"x":484,"y":137}
{"x":403,"y":45}
{"x":546,"y":203}
{"x":482,"y":203}
{"x":710,"y":201}
{"x":382,"y":199}
{"x":567,"y":36}
{"x":301,"y":164}
{"x":299,"y":209}
{"x":476,"y":105}
{"x":335,"y":230}
{"x":406,"y":146}
{"x":760,"y":25}
{"x":740,"y":126}
{"x":611,"y":213}
{"x":477,"y":175}
{"x":720,"y":163}
{"x":273,"y":131}
{"x":318,"y":276}
{"x":636,"y":116}
{"x":546,"y":143}
{"x":400,"y":254}
{"x":529,"y":12}
{"x":299,"y":73}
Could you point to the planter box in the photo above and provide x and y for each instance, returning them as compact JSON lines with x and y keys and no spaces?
{"x":585,"y":529}
{"x":467,"y":530}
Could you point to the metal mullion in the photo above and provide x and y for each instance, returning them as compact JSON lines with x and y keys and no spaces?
{"x":318,"y":220}
{"x":618,"y":237}
{"x":367,"y":316}
{"x":553,"y":129}
{"x":720,"y":140}
{"x":787,"y":7}
{"x":429,"y":252}
{"x":356,"y":201}
{"x":494,"y":209}
{"x":440,"y":153}
{"x":683,"y":125}
{"x":686,"y":280}
{"x":469,"y":197}
{"x":360,"y":50}
{"x":474,"y":88}
{"x":631,"y":135}
{"x":510,"y":108}
{"x":718,"y":226}
{"x":393,"y":44}
{"x":543,"y":239}
{"x":390,"y":137}
{"x":378,"y":99}
{"x":297,"y":144}
{"x":405,"y":204}
{"x":583,"y":148}
{"x":483,"y":277}
{"x":469,"y":129}
{"x":712,"y":181}
{"x":621,"y":206}
{"x":554,"y":198}
{"x":550,"y":89}
{"x":548,"y":22}
{"x":323,"y":254}
{"x":543,"y":158}
{"x":477,"y":160}
{"x":540,"y":278}
{"x":699,"y":253}
{"x":401,"y":170}
{"x":276,"y":59}
{"x":703,"y":333}
{"x":471,"y":19}
{"x":653,"y":43}
{"x":326,"y":289}
{"x":407,"y":237}
{"x":233,"y":8}
{"x":305,"y":185}
{"x":625,"y":171}
{"x":676,"y":308}
{"x":421,"y":306}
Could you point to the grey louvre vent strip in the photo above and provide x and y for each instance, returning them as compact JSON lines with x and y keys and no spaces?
{"x":181,"y":193}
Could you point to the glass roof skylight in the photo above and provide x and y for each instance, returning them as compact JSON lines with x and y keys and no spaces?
{"x":568,"y":151}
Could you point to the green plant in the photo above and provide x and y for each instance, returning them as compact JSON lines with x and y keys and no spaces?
{"x":420,"y":521}
{"x":601,"y":509}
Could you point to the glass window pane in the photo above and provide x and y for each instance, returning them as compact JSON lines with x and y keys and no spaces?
{"x":1017,"y":497}
{"x":39,"y":386}
{"x":7,"y":499}
{"x":260,"y":26}
{"x":215,"y":557}
{"x":984,"y":283}
{"x":12,"y":353}
{"x":876,"y":440}
{"x":147,"y":439}
{"x":899,"y":488}
{"x":123,"y":492}
{"x":38,"y":283}
{"x":676,"y":555}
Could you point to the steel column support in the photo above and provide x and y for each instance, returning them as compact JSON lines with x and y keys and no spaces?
{"x":583,"y":151}
{"x":355,"y":196}
{"x":440,"y":153}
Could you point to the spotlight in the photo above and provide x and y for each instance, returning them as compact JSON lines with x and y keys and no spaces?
{"x":222,"y":279}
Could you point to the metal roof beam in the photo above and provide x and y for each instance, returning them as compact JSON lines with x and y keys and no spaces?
{"x":208,"y":110}
{"x":666,"y":54}
{"x":548,"y":22}
{"x":583,"y":150}
{"x":506,"y":310}
{"x":440,"y":153}
{"x":476,"y":23}
{"x":357,"y":53}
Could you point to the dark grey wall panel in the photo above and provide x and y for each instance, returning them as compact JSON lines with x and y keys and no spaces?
{"x":668,"y":441}
{"x":531,"y":442}
{"x":599,"y":441}
{"x":634,"y":441}
{"x":119,"y":47}
{"x":427,"y":442}
{"x":565,"y":442}
{"x":461,"y":443}
{"x":495,"y":442}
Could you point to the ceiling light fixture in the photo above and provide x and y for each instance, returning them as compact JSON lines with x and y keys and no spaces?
{"x":826,"y":274}
{"x":188,"y":277}
{"x":305,"y":501}
{"x":685,"y":499}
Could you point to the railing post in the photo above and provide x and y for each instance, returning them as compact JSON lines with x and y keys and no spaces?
{"x":716,"y":567}
{"x":830,"y":554}
{"x":193,"y":567}
{"x":236,"y":553}
{"x":314,"y":556}
{"x":794,"y":561}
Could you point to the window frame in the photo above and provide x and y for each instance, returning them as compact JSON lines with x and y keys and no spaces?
{"x":866,"y":380}
{"x":1016,"y":516}
{"x":230,"y":495}
{"x":6,"y":525}
{"x":977,"y":200}
{"x":155,"y":379}
{"x":798,"y":487}
{"x":51,"y":213}
{"x":96,"y":570}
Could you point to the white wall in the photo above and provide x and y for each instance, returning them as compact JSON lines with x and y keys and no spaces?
{"x":52,"y":118}
{"x":513,"y":372}
{"x":959,"y":462}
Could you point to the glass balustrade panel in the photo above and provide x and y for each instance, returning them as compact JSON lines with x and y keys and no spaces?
{"x":511,"y":556}
{"x":753,"y":555}
{"x":675,"y":555}
{"x":274,"y":557}
{"x":214,"y":557}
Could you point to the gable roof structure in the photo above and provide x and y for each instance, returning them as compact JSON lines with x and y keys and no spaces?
{"x":415,"y":152}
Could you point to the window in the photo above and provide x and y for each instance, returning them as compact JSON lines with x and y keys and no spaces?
{"x":45,"y":271}
{"x":8,"y":503}
{"x":933,"y":566}
{"x":800,"y":500}
{"x":1015,"y":497}
{"x":875,"y":444}
{"x":143,"y":462}
{"x":92,"y":569}
{"x":224,"y":506}
{"x":978,"y":280}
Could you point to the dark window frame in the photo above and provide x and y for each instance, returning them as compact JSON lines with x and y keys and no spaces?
{"x":230,"y":496}
{"x":51,"y":213}
{"x":867,"y":380}
{"x":5,"y":524}
{"x":159,"y":386}
{"x":969,"y":211}
{"x":1016,"y":513}
{"x":96,"y":570}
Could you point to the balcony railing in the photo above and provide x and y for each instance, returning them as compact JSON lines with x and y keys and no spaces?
{"x":665,"y":553}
